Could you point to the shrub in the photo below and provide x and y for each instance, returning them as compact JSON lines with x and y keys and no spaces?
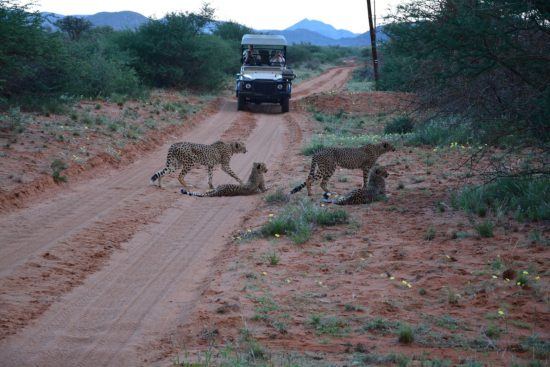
{"x":399,"y":125}
{"x":435,"y":52}
{"x":57,"y":167}
{"x":173,"y":52}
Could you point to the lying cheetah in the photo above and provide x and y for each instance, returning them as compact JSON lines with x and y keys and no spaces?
{"x":326,"y":160}
{"x":255,"y":184}
{"x":186,"y":155}
{"x":375,"y":188}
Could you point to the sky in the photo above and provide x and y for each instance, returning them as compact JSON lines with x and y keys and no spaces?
{"x":257,"y":14}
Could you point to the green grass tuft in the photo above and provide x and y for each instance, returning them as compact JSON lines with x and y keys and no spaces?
{"x":528,"y":199}
{"x":298,"y":220}
{"x":485,"y":229}
{"x":406,"y":335}
{"x":276,"y":197}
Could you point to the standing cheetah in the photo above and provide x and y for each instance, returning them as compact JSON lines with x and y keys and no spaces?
{"x":326,"y":160}
{"x":186,"y":155}
{"x":375,"y":187}
{"x":254,"y":185}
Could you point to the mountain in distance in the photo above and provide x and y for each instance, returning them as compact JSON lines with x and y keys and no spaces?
{"x":119,"y":20}
{"x":319,"y":33}
{"x":305,"y":31}
{"x":323,"y":29}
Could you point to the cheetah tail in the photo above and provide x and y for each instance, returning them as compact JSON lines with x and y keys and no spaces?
{"x":298,"y":188}
{"x":160,"y":173}
{"x":190,"y":193}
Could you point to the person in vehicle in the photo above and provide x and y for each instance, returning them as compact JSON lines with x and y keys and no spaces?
{"x":278,"y":58}
{"x":248,"y":56}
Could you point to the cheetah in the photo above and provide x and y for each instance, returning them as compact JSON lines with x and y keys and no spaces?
{"x":185,"y":155}
{"x":255,"y":183}
{"x":326,"y":160}
{"x":375,"y":188}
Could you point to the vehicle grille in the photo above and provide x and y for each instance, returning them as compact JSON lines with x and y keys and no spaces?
{"x":267,"y":87}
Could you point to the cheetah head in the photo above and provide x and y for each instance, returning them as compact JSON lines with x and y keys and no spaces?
{"x":238,"y":147}
{"x":381,"y":171}
{"x":260,"y":167}
{"x":387,"y":147}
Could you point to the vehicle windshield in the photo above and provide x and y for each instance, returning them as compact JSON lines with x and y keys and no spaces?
{"x":255,"y":55}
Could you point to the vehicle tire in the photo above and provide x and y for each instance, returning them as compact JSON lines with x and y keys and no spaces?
{"x":285,"y":104}
{"x":240,"y":103}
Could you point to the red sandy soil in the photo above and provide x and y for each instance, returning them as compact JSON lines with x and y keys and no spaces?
{"x":84,"y":144}
{"x":379,"y":266}
{"x":99,"y":270}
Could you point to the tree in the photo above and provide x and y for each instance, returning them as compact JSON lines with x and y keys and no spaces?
{"x":175,"y":52}
{"x":73,"y":26}
{"x":232,"y":31}
{"x":485,"y":60}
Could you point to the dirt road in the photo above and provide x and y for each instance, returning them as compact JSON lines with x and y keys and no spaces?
{"x":96,"y":274}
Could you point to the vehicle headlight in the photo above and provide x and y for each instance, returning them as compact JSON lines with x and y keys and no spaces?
{"x":248,"y":86}
{"x":279,"y":86}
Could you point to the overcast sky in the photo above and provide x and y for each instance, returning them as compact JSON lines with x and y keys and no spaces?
{"x":258,"y":14}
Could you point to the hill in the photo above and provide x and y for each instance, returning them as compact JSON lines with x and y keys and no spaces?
{"x":321,"y":28}
{"x":117,"y":20}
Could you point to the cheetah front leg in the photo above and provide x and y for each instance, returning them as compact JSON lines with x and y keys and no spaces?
{"x":210,"y":185}
{"x":324,"y":183}
{"x":229,"y":171}
{"x":326,"y":176}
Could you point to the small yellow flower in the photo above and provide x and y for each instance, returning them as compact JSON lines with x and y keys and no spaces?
{"x":270,"y":215}
{"x":500,"y":313}
{"x":518,"y":283}
{"x":537,"y":277}
{"x":392,"y":278}
{"x":525,"y":272}
{"x":264,"y":273}
{"x":495,"y":277}
{"x":409,"y":285}
{"x":288,"y":280}
{"x":249,"y":230}
{"x":277,"y":235}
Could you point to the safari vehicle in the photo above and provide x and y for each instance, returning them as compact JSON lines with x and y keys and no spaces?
{"x":264,"y":76}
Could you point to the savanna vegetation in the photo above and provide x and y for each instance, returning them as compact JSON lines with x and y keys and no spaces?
{"x":479,"y":72}
{"x":40,"y":68}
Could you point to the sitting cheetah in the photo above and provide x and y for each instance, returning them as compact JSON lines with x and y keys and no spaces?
{"x":186,"y":155}
{"x":255,"y":183}
{"x":375,"y":188}
{"x":326,"y":160}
